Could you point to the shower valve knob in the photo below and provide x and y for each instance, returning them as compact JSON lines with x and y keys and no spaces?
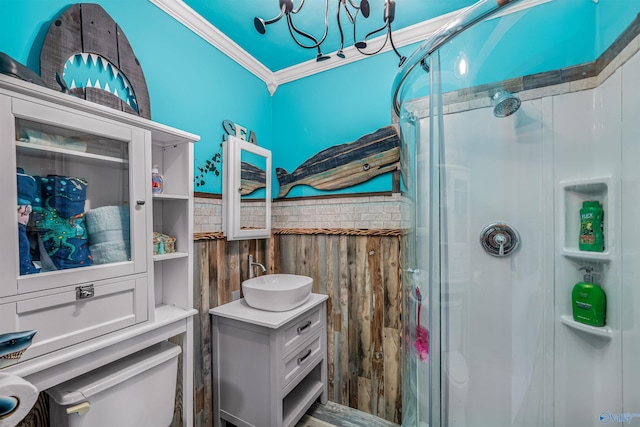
{"x":499,"y":239}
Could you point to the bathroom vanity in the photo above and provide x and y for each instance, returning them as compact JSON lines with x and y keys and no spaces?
{"x":268,"y":367}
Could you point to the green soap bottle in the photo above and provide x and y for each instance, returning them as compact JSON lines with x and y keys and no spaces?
{"x":589,"y":301}
{"x":591,"y":227}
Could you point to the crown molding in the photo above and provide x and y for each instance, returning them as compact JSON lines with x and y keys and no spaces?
{"x":403,"y":37}
{"x":182,"y":13}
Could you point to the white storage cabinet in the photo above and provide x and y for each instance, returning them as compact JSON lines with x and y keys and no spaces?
{"x":100,"y":294}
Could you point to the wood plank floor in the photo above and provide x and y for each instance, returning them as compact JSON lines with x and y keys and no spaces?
{"x":335,"y":415}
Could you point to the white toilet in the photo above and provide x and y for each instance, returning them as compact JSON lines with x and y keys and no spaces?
{"x":136,"y":391}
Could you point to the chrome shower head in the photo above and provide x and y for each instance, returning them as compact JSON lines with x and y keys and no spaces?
{"x":505,"y":103}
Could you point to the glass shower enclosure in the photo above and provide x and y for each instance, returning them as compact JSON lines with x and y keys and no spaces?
{"x":512,"y":116}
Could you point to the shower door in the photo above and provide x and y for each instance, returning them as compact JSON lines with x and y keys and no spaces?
{"x":486,"y":314}
{"x":496,"y":181}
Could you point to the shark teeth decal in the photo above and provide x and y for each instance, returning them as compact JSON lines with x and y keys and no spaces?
{"x":85,"y":69}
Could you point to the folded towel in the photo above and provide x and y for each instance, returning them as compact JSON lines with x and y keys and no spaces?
{"x":26,"y":265}
{"x":107,"y":252}
{"x":26,"y":188}
{"x":50,"y":140}
{"x":109,"y":239}
{"x":67,"y":195}
{"x":108,"y":224}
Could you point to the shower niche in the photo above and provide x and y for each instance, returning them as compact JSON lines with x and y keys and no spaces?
{"x":572,"y":195}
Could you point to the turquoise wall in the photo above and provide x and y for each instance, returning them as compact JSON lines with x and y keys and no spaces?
{"x":333,"y":107}
{"x":192,"y":86}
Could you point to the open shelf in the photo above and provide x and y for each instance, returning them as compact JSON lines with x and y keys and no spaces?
{"x":74,"y":153}
{"x":598,"y":331}
{"x":164,"y":196}
{"x":172,"y":255}
{"x":572,"y":194}
{"x":586,"y":256}
{"x":301,"y":397}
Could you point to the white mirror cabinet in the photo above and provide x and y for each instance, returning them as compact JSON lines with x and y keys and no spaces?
{"x":246,"y":193}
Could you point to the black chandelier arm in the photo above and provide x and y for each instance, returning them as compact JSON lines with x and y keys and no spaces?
{"x":340,"y":24}
{"x":293,"y":28}
{"x":386,"y":25}
{"x":352,"y":17}
{"x":277,"y":18}
{"x":317,"y":43}
{"x":393,"y":46}
{"x":294,"y":11}
{"x":360,"y":49}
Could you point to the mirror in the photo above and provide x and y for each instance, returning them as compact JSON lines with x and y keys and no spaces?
{"x":246,"y":193}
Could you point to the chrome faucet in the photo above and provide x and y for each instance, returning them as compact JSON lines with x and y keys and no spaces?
{"x":254,"y":264}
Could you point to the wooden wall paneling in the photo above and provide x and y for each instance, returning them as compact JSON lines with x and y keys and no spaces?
{"x":363,"y":320}
{"x":244,"y":250}
{"x":200,"y":330}
{"x":342,"y":310}
{"x":231,"y":279}
{"x":392,"y":375}
{"x":374,"y":252}
{"x":353,"y":329}
{"x":215,"y":249}
{"x":392,"y":334}
{"x":178,"y":406}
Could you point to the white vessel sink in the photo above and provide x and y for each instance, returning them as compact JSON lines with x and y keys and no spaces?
{"x":277,"y":292}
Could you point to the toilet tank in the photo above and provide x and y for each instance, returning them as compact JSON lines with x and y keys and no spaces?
{"x":135,"y":391}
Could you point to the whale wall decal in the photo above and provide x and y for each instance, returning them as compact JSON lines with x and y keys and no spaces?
{"x":12,"y":345}
{"x":251,"y":178}
{"x":85,"y":53}
{"x":347,"y":164}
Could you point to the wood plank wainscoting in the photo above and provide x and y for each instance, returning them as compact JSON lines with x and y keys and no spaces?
{"x":360,"y":272}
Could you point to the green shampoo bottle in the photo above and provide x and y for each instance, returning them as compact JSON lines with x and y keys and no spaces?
{"x":591,"y":227}
{"x":589,"y":301}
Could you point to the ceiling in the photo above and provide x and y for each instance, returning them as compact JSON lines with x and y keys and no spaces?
{"x":277,"y":50}
{"x":276,"y":59}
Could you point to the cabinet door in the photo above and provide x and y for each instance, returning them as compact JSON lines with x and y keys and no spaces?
{"x":77,"y":205}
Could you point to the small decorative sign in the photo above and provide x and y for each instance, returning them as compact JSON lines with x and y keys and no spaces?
{"x":211,"y":165}
{"x":238,"y":131}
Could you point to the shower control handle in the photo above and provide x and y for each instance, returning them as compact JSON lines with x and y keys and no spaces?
{"x":499,"y":239}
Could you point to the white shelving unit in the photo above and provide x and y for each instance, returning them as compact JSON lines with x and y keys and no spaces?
{"x":134,"y":303}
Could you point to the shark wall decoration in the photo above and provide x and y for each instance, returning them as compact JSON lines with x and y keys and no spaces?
{"x":85,"y":53}
{"x":347,"y":164}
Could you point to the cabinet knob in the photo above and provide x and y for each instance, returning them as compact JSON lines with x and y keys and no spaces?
{"x":140,"y":202}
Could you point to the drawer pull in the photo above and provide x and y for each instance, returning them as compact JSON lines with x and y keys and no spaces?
{"x":301,"y":329}
{"x":303,"y":358}
{"x":84,"y":292}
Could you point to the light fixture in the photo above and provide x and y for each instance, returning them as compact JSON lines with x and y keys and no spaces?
{"x":352,"y":10}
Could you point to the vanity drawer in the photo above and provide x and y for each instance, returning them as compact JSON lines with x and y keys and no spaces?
{"x":303,"y":358}
{"x":76,"y":314}
{"x":301,"y":328}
